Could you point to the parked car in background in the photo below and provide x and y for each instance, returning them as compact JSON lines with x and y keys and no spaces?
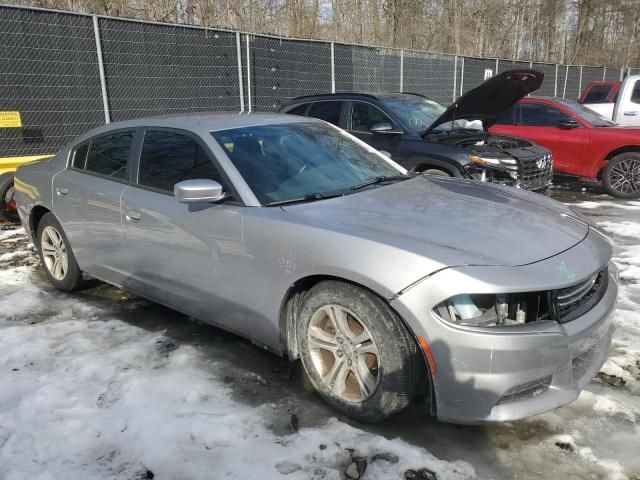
{"x":423,"y":136}
{"x":8,"y":166}
{"x":494,"y":302}
{"x":616,"y":101}
{"x":584,"y":144}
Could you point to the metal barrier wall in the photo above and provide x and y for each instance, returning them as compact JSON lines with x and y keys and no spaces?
{"x":65,"y":73}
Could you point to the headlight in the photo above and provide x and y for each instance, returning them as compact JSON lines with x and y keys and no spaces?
{"x":488,"y":310}
{"x":510,"y":165}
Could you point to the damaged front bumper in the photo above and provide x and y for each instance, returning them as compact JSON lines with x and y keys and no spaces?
{"x":507,"y":373}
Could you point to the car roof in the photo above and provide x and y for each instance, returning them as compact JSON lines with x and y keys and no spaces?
{"x":205,"y":121}
{"x":352,"y":95}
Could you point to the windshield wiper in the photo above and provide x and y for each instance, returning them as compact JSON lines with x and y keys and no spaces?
{"x":309,"y":197}
{"x":381,"y":179}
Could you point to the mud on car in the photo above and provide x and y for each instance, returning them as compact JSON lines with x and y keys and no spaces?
{"x":423,"y":136}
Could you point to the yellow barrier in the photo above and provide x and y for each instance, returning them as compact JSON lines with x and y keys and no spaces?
{"x":9,"y":164}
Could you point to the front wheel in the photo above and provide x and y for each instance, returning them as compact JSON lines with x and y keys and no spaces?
{"x":356,"y":351}
{"x":56,"y":256}
{"x":621,"y":176}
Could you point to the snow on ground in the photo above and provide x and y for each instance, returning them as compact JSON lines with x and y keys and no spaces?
{"x":85,"y":394}
{"x":100,"y":384}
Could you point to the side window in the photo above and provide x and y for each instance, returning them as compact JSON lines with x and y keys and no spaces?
{"x":364,"y":115}
{"x":541,"y":115}
{"x":301,"y":109}
{"x":597,"y":94}
{"x":508,"y":117}
{"x":106,"y":155}
{"x":635,"y":94}
{"x":168,"y":158}
{"x":327,"y":111}
{"x":80,"y":156}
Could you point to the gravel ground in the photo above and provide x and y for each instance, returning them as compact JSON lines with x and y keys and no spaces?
{"x":101,"y":384}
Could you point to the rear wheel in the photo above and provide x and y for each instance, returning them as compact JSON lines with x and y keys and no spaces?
{"x":8,"y":208}
{"x":56,"y":256}
{"x":621,"y":176}
{"x":356,"y":351}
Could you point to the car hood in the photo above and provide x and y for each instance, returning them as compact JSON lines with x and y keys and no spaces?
{"x":488,"y":100}
{"x":456,"y":222}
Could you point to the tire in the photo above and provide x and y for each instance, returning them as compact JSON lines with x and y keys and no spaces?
{"x":53,"y":244}
{"x":7,"y":204}
{"x":621,"y":176}
{"x":334,"y":321}
{"x":436,"y":171}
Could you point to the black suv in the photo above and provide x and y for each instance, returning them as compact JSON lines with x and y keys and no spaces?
{"x":423,"y":136}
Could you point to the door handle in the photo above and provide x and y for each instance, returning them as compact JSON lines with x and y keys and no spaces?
{"x":61,"y":191}
{"x":132,"y":216}
{"x":630,"y":114}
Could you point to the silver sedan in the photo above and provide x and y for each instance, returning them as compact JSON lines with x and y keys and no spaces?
{"x":488,"y":302}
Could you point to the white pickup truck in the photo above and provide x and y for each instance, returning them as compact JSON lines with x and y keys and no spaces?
{"x":617,"y":101}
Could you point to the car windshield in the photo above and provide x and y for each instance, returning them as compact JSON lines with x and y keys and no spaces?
{"x":586,"y":114}
{"x":418,"y":113}
{"x":285,"y":162}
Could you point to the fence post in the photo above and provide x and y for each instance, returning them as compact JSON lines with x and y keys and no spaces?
{"x":580,"y":82}
{"x":333,"y":67}
{"x":497,"y":65}
{"x":566,"y":76}
{"x":604,"y":73}
{"x":555,"y":83}
{"x":240,"y":82}
{"x":455,"y":77}
{"x":621,"y":73}
{"x":248,"y":76}
{"x":103,"y":80}
{"x":461,"y":76}
{"x":401,"y":70}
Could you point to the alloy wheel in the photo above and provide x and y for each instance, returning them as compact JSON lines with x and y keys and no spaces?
{"x":54,"y":253}
{"x":624,"y":176}
{"x":343,"y":353}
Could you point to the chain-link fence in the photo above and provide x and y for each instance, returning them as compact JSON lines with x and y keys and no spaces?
{"x":65,"y":73}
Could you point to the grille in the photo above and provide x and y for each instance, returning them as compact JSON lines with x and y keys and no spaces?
{"x":571,"y":302}
{"x":531,"y":175}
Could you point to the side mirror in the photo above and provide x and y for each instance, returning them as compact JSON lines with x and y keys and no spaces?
{"x":567,"y":124}
{"x":385,"y":153}
{"x":198,"y":191}
{"x":384,"y":128}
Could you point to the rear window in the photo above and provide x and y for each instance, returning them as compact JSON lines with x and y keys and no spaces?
{"x":106,"y":155}
{"x":327,"y":111}
{"x":299,"y":110}
{"x":597,"y":94}
{"x":635,"y":94}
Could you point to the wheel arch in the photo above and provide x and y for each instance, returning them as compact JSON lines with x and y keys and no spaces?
{"x":291,"y":304}
{"x":35,"y":215}
{"x":615,"y":153}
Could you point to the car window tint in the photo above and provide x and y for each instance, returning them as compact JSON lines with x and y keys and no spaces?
{"x":108,"y":155}
{"x":80,"y":156}
{"x":284,"y":161}
{"x":635,"y":94}
{"x":597,"y":94}
{"x":507,"y":117}
{"x":168,"y":158}
{"x":327,"y":111}
{"x":364,"y":116}
{"x":301,"y":109}
{"x":541,"y":115}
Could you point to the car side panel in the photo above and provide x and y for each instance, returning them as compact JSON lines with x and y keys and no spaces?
{"x":190,"y":257}
{"x":88,"y":208}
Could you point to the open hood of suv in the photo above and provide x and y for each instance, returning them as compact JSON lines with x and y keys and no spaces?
{"x":491,"y":98}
